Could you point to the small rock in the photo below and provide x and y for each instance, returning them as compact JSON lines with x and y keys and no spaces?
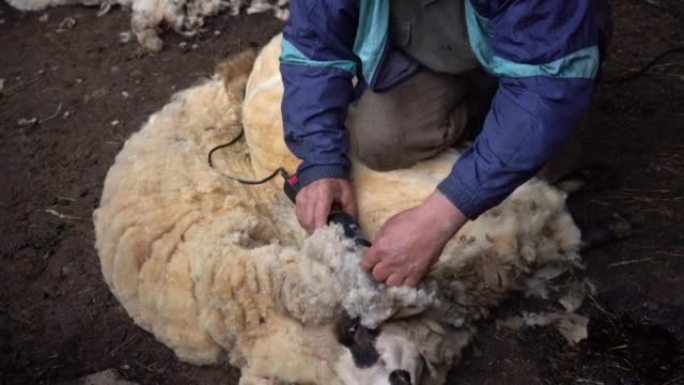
{"x":66,"y":114}
{"x":115,"y":123}
{"x":125,"y":37}
{"x":44,"y":18}
{"x":124,"y":94}
{"x":182,"y":45}
{"x":2,"y":85}
{"x":114,"y":69}
{"x":41,"y":71}
{"x":78,"y":80}
{"x":23,"y":122}
{"x":2,"y":21}
{"x":66,"y":24}
{"x":217,"y":32}
{"x":100,"y":92}
{"x":66,"y":270}
{"x":195,"y":46}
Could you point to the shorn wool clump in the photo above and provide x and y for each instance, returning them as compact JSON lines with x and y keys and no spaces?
{"x":185,"y":17}
{"x":222,"y":272}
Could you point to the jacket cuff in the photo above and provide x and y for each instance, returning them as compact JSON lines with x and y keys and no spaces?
{"x":469,"y":203}
{"x":314,"y":173}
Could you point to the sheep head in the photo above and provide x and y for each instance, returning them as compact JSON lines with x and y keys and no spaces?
{"x":382,"y":356}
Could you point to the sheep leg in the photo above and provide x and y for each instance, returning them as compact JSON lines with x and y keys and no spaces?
{"x":593,"y":178}
{"x":248,"y":379}
{"x":617,"y":226}
{"x":613,"y":228}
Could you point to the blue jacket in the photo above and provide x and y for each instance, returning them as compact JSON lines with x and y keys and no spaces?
{"x":545,"y":54}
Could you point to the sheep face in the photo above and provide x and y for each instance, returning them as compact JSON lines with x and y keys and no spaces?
{"x":384,"y":356}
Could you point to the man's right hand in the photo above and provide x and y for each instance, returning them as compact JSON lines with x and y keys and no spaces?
{"x":315,"y":200}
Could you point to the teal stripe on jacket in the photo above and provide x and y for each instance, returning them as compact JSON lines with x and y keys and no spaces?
{"x":371,"y":39}
{"x":583,"y":63}
{"x":372,"y":35}
{"x":291,"y":55}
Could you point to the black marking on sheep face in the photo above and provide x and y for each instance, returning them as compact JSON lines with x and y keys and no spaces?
{"x":400,"y":377}
{"x":359,"y":339}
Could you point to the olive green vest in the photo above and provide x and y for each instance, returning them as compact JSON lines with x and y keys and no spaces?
{"x":433,"y":32}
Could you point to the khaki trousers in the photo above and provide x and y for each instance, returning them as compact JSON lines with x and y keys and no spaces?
{"x":429,"y":112}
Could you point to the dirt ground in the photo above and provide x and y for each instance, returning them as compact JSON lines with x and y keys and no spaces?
{"x":89,"y":92}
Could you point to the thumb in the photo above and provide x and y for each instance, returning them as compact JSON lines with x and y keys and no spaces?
{"x":370,"y":258}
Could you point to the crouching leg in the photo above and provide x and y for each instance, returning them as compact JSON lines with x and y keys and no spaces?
{"x":411,"y":122}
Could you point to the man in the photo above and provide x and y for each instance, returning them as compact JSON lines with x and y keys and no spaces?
{"x":416,"y":66}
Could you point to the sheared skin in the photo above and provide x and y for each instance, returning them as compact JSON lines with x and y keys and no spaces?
{"x":222,"y":272}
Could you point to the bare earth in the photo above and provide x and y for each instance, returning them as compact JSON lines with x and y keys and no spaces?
{"x":88,"y":93}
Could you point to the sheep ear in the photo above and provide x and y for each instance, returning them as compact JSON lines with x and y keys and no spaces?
{"x":345,"y":329}
{"x":358,"y":339}
{"x":407,"y":312}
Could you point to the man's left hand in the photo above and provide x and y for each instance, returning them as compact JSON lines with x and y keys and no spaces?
{"x":409,"y":243}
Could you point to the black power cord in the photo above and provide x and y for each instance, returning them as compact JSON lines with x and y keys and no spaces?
{"x":642,"y":71}
{"x":250,"y":182}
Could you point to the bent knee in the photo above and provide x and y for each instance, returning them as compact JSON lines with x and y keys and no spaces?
{"x":380,"y":157}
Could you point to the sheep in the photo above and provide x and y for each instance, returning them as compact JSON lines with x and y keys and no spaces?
{"x":185,"y":17}
{"x":40,"y":5}
{"x":222,"y":272}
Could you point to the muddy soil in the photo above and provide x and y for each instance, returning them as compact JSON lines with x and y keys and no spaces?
{"x":88,"y":92}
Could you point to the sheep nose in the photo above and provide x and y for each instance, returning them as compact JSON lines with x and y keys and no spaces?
{"x":400,"y":377}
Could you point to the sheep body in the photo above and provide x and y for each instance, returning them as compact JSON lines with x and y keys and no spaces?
{"x":222,"y":272}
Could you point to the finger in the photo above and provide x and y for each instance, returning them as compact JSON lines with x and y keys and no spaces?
{"x":394,"y":280}
{"x":299,"y":211}
{"x":304,"y":211}
{"x":381,"y":271}
{"x":412,"y":281}
{"x":370,"y":259}
{"x":321,"y":211}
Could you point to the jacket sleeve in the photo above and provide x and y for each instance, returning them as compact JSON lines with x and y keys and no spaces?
{"x":546,"y":57}
{"x":317,"y":65}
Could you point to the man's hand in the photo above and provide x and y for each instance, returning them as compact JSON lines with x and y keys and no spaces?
{"x":409,"y":243}
{"x":315,"y":200}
